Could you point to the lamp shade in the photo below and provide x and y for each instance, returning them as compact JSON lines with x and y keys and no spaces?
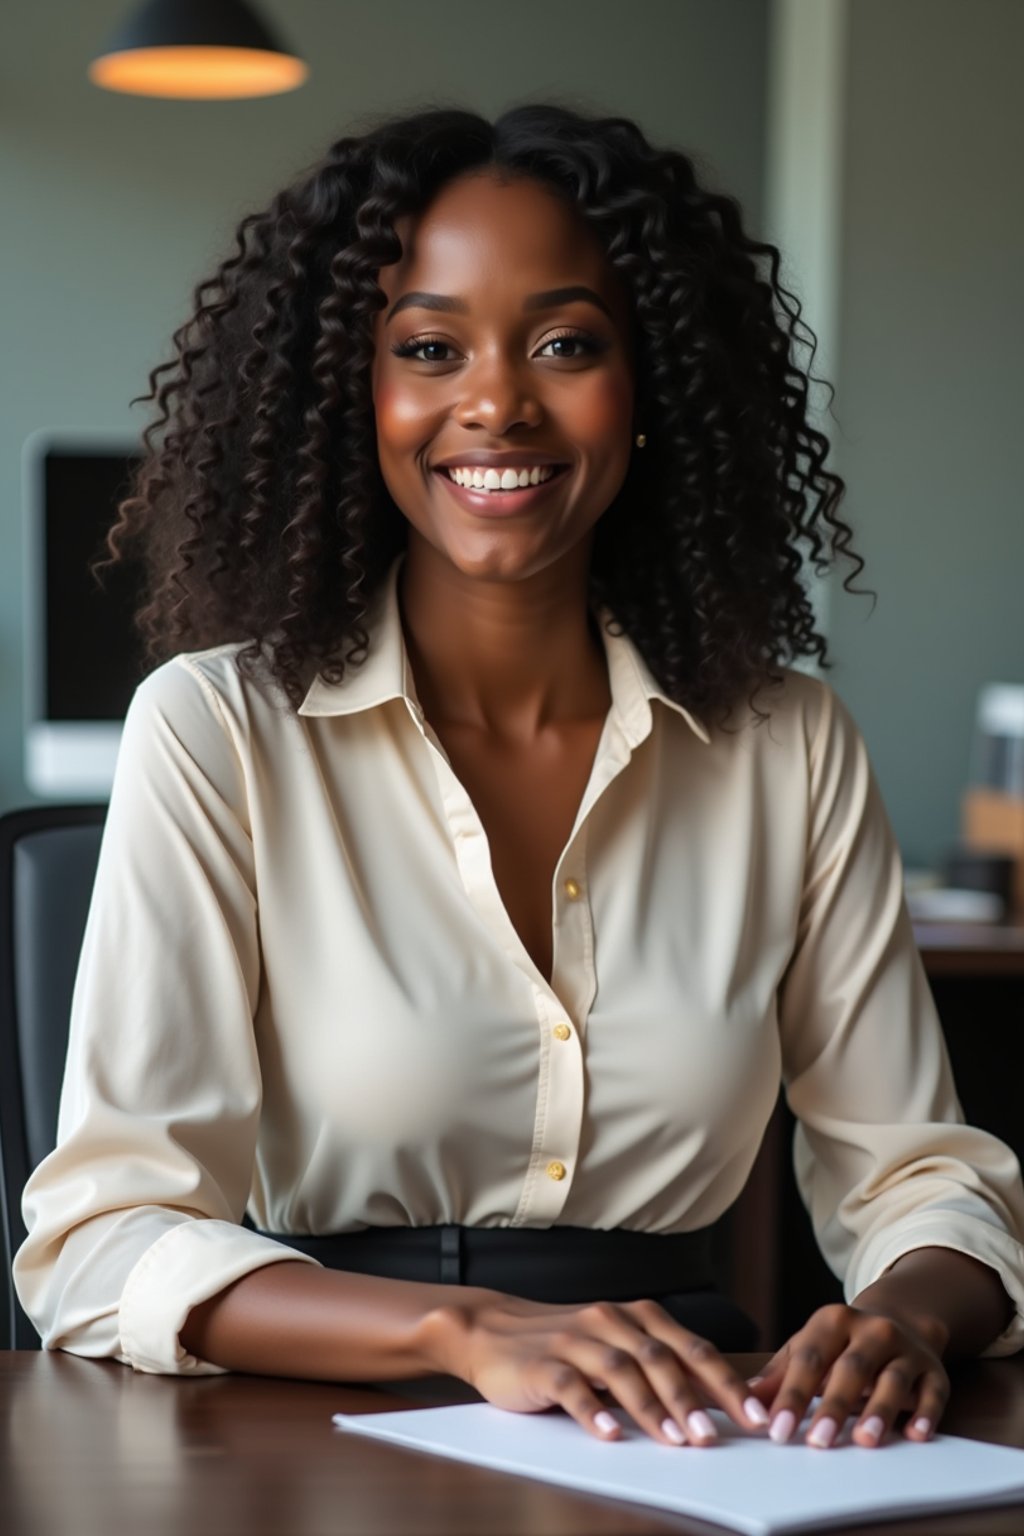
{"x":199,"y":49}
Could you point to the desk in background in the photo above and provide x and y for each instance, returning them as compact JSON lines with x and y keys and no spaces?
{"x":990,"y":951}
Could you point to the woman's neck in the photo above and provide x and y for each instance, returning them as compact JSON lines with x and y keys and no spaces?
{"x":512,"y":658}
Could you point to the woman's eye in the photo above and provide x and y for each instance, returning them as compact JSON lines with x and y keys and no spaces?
{"x":575,"y":339}
{"x":570,"y":338}
{"x":411,"y":348}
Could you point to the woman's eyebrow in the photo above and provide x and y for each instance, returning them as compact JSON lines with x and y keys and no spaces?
{"x":450,"y":305}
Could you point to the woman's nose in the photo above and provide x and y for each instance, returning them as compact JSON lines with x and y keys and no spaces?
{"x":497,"y":395}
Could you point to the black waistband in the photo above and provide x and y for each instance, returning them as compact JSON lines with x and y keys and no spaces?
{"x":553,"y":1264}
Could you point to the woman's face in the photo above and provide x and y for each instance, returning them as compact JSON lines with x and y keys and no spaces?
{"x":497,"y":368}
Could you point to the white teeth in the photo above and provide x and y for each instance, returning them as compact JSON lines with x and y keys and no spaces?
{"x":507,"y":480}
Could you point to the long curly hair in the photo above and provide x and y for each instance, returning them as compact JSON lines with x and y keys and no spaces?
{"x":258,"y":508}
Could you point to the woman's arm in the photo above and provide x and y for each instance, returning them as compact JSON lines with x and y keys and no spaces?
{"x":884,"y":1160}
{"x":134,"y":1218}
{"x":959,"y":1303}
{"x":919,"y":1213}
{"x":327,"y":1325}
{"x":296,"y":1320}
{"x":523,"y":1356}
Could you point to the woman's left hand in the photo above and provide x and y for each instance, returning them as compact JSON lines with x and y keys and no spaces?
{"x":861,"y":1362}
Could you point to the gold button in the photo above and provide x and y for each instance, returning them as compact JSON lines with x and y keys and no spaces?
{"x":571,"y":889}
{"x":561,"y":1031}
{"x":556,"y":1170}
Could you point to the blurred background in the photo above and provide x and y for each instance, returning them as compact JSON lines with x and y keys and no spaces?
{"x":877,"y":142}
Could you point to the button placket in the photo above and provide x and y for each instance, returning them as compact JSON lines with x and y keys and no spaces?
{"x":560,"y":1088}
{"x":573,"y":980}
{"x":559,"y":1118}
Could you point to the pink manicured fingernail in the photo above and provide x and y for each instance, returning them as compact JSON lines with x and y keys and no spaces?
{"x":923,"y":1426}
{"x":670,"y":1428}
{"x":875,"y":1427}
{"x":823,"y":1433}
{"x":701,"y":1426}
{"x":783,"y":1426}
{"x":605,"y":1422}
{"x":755,"y":1411}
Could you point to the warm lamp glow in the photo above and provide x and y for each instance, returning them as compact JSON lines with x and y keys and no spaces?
{"x":206,"y":50}
{"x":198,"y":72}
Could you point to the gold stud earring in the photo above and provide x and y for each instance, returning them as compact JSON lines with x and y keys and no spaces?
{"x":641,"y":439}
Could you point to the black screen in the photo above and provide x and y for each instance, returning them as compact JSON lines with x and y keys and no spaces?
{"x":93,"y":656}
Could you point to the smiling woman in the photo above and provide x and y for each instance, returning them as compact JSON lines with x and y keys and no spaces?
{"x":441,"y":286}
{"x":466,"y":962}
{"x":517,"y":389}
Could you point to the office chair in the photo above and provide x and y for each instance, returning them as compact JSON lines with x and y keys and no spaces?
{"x":48,"y":860}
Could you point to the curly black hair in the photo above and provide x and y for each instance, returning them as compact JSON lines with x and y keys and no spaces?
{"x":261,"y":513}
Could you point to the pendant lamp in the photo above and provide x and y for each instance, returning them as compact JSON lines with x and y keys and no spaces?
{"x":200,"y":49}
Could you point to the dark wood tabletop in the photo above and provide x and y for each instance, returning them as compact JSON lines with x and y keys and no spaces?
{"x":972,"y":949}
{"x":91,"y":1448}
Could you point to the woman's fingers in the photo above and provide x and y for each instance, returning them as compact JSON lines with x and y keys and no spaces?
{"x":713,"y":1378}
{"x":861,"y":1364}
{"x":661,"y":1373}
{"x":811,"y":1354}
{"x":931,"y":1405}
{"x":926,"y":1403}
{"x":636,"y":1360}
{"x":866,"y":1366}
{"x":660,"y":1401}
{"x":773,"y":1370}
{"x":893,"y":1391}
{"x":560,"y":1383}
{"x":875,"y":1362}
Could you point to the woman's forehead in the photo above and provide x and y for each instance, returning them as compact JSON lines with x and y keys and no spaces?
{"x":476,"y":231}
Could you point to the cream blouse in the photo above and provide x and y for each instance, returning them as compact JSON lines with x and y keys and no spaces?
{"x":299,"y":993}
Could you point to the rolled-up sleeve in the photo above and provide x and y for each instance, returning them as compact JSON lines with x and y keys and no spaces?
{"x":883,"y":1159}
{"x":134,"y":1217}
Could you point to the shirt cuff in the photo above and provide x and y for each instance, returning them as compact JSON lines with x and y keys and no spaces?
{"x":973,"y":1235}
{"x":188,"y":1264}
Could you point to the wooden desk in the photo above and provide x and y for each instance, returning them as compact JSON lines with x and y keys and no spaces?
{"x":971,"y":949}
{"x":89,"y":1448}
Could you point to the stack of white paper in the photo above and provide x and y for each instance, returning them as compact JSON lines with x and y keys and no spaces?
{"x":745,"y":1481}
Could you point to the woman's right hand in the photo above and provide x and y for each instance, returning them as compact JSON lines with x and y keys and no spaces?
{"x":527,"y":1356}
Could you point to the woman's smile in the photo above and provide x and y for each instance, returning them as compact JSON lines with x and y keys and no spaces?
{"x":504,"y":500}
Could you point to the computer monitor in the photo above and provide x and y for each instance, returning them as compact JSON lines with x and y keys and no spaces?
{"x":82,"y":657}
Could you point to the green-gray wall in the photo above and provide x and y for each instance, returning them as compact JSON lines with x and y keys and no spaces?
{"x":931,"y":337}
{"x":115,"y":206}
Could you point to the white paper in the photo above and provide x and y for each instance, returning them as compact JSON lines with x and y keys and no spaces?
{"x":745,"y":1481}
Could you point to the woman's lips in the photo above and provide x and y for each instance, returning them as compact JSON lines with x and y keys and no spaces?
{"x":502,"y":503}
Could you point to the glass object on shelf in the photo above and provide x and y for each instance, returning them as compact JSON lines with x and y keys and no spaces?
{"x":997,"y":750}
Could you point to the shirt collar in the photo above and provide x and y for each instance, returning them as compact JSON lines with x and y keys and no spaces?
{"x":386,"y":673}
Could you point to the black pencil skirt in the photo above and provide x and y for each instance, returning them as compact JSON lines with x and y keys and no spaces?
{"x":552,"y":1264}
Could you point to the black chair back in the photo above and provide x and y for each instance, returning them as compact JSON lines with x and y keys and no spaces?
{"x":48,"y":857}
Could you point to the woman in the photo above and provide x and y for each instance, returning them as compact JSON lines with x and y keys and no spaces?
{"x":478,"y":952}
